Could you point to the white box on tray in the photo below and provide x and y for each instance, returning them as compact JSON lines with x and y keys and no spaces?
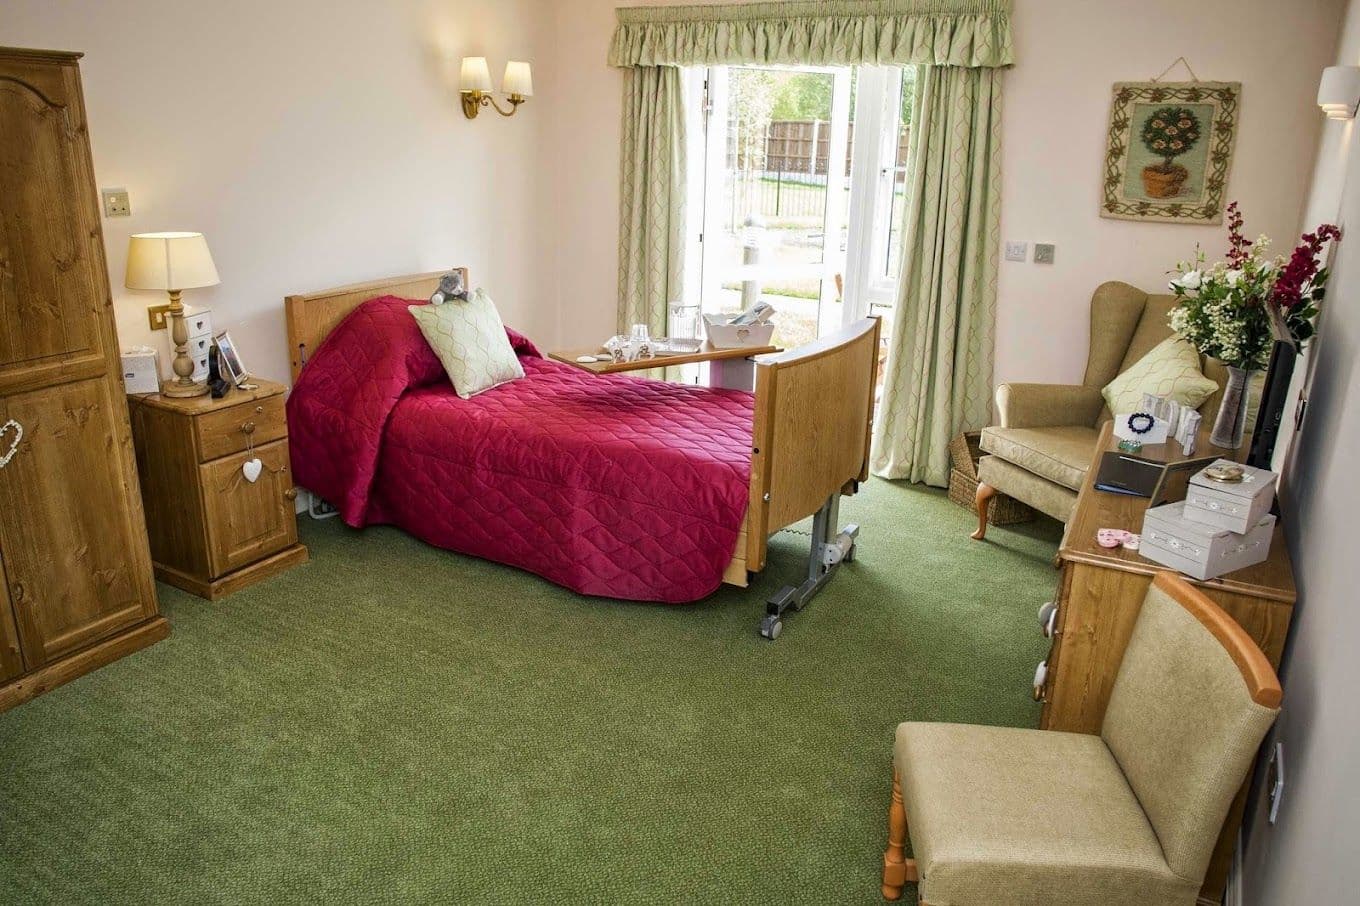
{"x":1233,"y":505}
{"x":734,"y":336}
{"x":1199,"y":550}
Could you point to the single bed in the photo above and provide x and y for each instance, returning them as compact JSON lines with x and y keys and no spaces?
{"x":608,"y":485}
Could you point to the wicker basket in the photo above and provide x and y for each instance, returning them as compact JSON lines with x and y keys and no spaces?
{"x":964,"y":453}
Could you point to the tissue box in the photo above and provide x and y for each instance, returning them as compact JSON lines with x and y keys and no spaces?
{"x":733,"y":336}
{"x":1200,"y":550}
{"x":1236,"y":506}
{"x":141,"y":370}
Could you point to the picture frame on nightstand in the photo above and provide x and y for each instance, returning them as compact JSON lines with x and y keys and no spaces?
{"x":230,"y":359}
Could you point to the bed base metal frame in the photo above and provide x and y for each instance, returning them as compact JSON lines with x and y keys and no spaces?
{"x":830,"y":548}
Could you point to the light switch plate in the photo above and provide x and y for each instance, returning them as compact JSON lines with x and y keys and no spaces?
{"x":157,"y":316}
{"x":116,"y":203}
{"x":1043,"y":253}
{"x":1016,"y":251}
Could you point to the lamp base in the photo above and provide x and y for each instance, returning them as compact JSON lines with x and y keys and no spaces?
{"x":177,"y":389}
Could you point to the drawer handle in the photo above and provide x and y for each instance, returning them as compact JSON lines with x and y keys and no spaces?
{"x":1048,"y":619}
{"x":1040,"y":678}
{"x":291,"y":493}
{"x":248,"y":428}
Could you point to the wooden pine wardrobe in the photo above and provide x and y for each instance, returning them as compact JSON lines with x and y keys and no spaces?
{"x":77,"y":590}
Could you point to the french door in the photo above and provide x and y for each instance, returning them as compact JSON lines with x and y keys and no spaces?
{"x":796,"y":189}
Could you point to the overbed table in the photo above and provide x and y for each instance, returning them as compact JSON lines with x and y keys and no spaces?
{"x":729,"y":368}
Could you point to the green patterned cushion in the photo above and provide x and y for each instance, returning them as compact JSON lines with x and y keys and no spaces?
{"x":470,"y":340}
{"x":1170,"y":369}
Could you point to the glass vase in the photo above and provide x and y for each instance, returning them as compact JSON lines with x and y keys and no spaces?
{"x":1231,"y":423}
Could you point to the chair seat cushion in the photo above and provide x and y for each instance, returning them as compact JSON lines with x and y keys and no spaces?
{"x":1060,"y":454}
{"x":1004,"y":815}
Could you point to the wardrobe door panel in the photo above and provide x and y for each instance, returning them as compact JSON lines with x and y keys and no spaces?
{"x":52,"y":284}
{"x":76,"y":555}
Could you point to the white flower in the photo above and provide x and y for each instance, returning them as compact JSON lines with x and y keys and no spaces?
{"x":1188,"y":280}
{"x":1267,"y":267}
{"x":1232,"y":278}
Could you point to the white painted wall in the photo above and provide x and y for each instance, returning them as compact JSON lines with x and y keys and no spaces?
{"x":314,"y":143}
{"x":1309,"y":855}
{"x":1055,"y":113}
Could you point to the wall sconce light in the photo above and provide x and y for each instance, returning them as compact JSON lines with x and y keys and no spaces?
{"x":1339,"y":92}
{"x":475,"y":86}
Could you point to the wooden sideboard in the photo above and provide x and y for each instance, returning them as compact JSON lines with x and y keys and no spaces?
{"x":1100,"y":592}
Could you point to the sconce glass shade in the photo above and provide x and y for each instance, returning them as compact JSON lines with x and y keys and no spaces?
{"x":474,"y":76}
{"x":519,"y":79}
{"x":1339,"y":92}
{"x":171,"y":261}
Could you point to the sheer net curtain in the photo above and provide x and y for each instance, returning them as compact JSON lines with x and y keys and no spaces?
{"x":939,"y":371}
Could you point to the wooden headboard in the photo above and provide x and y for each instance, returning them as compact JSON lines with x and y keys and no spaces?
{"x":312,"y":316}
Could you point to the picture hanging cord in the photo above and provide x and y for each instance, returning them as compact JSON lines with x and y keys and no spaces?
{"x":1181,"y":60}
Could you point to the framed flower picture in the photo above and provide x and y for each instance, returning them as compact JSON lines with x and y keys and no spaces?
{"x":1169,"y":148}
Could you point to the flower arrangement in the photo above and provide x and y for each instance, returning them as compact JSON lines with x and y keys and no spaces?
{"x":1233,"y":310}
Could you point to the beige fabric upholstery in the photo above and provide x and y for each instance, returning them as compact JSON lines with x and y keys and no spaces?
{"x":1026,"y":818}
{"x":1062,"y":455}
{"x":1022,"y":484}
{"x":1126,"y":323}
{"x":1183,"y":727}
{"x":998,"y":815}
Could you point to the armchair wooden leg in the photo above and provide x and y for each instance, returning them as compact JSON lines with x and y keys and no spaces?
{"x":897,"y":869}
{"x":983,"y":499}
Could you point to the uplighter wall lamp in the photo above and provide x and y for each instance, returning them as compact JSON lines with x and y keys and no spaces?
{"x":475,"y":86}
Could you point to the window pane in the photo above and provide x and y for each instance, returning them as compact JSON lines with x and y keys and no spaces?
{"x":893,"y":266}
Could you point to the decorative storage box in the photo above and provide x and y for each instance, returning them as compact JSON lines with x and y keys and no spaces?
{"x":1200,"y":550}
{"x":1237,"y":505}
{"x":141,"y":370}
{"x":733,"y":336}
{"x":199,"y":324}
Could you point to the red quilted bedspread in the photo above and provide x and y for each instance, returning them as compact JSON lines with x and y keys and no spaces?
{"x":607,"y":485}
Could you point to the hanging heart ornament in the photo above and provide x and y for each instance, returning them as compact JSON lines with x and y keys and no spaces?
{"x":18,"y":430}
{"x":251,"y":469}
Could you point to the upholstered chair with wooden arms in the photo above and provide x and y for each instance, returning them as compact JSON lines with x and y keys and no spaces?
{"x":1044,"y":818}
{"x":1040,"y":452}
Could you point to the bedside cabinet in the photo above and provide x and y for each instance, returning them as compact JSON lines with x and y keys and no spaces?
{"x":213,"y":531}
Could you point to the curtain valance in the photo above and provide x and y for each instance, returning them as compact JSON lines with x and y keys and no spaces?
{"x":974,"y":33}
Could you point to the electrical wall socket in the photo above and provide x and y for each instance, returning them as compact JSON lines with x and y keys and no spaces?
{"x":116,"y":203}
{"x":157,"y":316}
{"x":1043,"y":253}
{"x":1016,"y":251}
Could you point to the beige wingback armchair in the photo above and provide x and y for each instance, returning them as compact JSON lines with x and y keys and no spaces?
{"x":1130,"y":816}
{"x":1041,"y":451}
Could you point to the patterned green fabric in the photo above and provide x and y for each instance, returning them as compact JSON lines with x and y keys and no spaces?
{"x":939,"y":372}
{"x":1170,"y":369}
{"x":652,"y":196}
{"x":842,"y":33}
{"x":470,"y":340}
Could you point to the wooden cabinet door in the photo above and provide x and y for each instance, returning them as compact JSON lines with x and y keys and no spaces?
{"x":71,"y":524}
{"x":11,"y":660}
{"x":248,"y":520}
{"x":53,"y":284}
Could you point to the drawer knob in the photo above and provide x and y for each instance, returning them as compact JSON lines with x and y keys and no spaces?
{"x":259,"y":409}
{"x":1040,"y":678}
{"x":291,"y":493}
{"x":248,"y":428}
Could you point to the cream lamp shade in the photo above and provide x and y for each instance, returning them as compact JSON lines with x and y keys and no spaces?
{"x":475,"y":75}
{"x":1339,"y":91}
{"x":169,"y":261}
{"x":519,"y":79}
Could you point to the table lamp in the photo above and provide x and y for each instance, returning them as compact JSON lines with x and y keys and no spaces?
{"x":173,"y":262}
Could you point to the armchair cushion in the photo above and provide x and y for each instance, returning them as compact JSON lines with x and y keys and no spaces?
{"x":1170,"y":369}
{"x":1047,"y":405}
{"x":1027,"y":817}
{"x":1062,"y":455}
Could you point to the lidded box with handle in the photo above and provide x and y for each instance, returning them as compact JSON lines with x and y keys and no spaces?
{"x":1228,"y":495}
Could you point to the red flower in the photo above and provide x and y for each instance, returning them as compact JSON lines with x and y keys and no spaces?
{"x":1238,"y":245}
{"x":1302,"y":267}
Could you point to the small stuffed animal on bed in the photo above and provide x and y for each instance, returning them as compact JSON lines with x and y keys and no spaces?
{"x":451,"y":286}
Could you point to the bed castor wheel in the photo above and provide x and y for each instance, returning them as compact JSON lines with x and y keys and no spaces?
{"x":771,"y":626}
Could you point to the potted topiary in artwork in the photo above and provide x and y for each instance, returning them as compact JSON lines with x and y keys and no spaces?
{"x":1168,"y":133}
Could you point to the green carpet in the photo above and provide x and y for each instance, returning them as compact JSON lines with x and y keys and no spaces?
{"x":394,"y":723}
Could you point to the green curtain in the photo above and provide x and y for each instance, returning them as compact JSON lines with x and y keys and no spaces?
{"x":939,"y":373}
{"x":817,"y":33}
{"x":652,"y":197}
